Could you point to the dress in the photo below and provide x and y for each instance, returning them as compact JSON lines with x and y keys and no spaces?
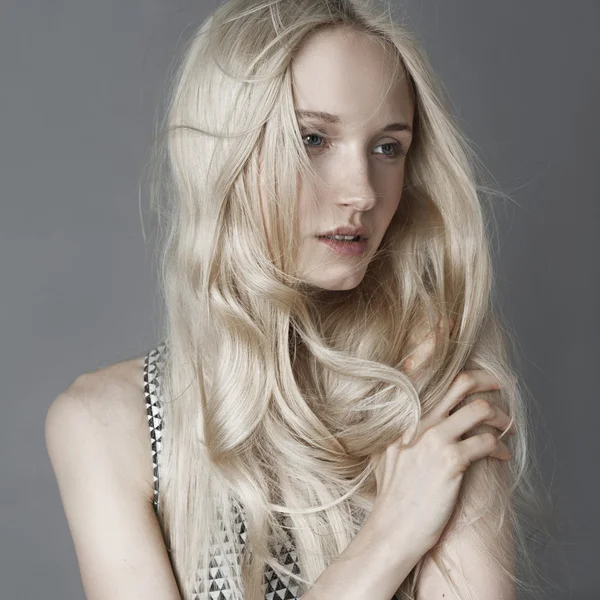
{"x":276,"y":587}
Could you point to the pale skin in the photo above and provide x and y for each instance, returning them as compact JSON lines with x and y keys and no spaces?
{"x":97,"y":431}
{"x":360,"y":164}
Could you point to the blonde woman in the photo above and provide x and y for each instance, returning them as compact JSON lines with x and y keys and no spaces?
{"x":332,"y":412}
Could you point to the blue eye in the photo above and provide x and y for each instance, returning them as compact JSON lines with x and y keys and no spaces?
{"x":306,"y":135}
{"x":398,"y":151}
{"x":397,"y":146}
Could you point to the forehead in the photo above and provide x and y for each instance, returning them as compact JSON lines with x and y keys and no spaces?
{"x":342,"y":71}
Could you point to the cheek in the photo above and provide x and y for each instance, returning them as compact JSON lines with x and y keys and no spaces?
{"x":396,"y":204}
{"x":397,"y":194}
{"x":306,"y":205}
{"x":388,"y":211}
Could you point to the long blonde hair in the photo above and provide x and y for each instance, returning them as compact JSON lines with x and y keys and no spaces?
{"x":276,"y":395}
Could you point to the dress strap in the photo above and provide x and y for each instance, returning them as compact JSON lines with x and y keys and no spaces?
{"x":153,"y":363}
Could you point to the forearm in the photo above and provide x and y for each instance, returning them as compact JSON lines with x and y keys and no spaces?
{"x":373,"y":566}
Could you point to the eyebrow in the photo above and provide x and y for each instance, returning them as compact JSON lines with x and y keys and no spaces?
{"x":335,"y":120}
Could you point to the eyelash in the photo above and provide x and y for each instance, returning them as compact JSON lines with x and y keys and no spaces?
{"x":398,"y":148}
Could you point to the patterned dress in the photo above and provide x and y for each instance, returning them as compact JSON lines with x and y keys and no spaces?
{"x":276,"y":587}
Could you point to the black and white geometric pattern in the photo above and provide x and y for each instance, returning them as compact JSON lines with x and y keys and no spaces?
{"x":276,"y":586}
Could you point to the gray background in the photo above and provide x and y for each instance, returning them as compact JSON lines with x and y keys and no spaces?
{"x":80,"y":83}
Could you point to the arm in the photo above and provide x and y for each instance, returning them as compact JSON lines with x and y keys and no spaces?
{"x":97,"y":448}
{"x":480,"y":561}
{"x":466,"y":562}
{"x":373,"y":566}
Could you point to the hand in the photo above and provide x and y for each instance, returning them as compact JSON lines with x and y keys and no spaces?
{"x":418,"y":486}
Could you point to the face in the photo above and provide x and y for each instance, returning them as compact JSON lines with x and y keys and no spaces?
{"x":358,"y":157}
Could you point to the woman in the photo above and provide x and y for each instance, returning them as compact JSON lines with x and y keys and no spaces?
{"x":313,"y":430}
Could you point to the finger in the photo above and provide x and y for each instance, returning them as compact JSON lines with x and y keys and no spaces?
{"x":467,"y":382}
{"x":511,"y":429}
{"x":417,"y":358}
{"x":470,"y":416}
{"x":480,"y":446}
{"x":442,"y":323}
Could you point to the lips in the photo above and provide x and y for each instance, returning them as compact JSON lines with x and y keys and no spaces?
{"x":346,"y":230}
{"x":345,"y":248}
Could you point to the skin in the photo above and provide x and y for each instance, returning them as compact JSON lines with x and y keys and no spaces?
{"x":361,"y":166}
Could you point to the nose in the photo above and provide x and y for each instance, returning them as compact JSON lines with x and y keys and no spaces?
{"x":355,"y":188}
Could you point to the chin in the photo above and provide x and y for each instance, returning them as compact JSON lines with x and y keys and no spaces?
{"x":335,"y":284}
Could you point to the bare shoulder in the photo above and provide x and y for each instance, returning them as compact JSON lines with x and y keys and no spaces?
{"x":108,"y":404}
{"x":98,"y":442}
